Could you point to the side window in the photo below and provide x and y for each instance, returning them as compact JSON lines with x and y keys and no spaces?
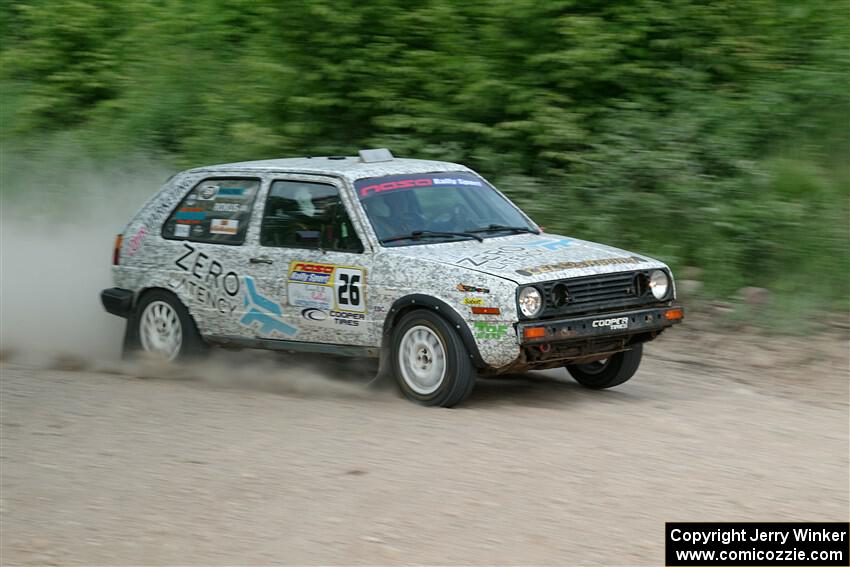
{"x":301,"y":214}
{"x":216,"y":210}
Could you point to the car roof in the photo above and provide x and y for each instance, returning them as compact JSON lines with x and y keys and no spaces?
{"x":348,"y":167}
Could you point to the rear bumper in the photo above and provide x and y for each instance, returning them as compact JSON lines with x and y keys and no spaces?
{"x":606,"y":325}
{"x":117,"y":301}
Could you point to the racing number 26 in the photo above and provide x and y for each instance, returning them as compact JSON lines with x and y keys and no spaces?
{"x":349,"y":296}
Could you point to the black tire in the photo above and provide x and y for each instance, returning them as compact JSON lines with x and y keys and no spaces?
{"x":192,"y":345}
{"x":458,"y":379}
{"x":614,"y":371}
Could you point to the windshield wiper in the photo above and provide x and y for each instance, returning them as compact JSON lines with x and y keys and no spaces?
{"x":429,"y":234}
{"x":500,"y":227}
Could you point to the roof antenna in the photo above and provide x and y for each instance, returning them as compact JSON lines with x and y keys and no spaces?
{"x":376,"y":155}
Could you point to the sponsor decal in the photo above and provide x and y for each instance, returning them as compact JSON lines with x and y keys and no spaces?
{"x":205,"y":282}
{"x":473,"y":301}
{"x":489,"y":331}
{"x":372,"y":186}
{"x":229,"y":208}
{"x":613,"y":324}
{"x":191,"y":199}
{"x":197,"y":230}
{"x":501,"y":257}
{"x":224,"y":226}
{"x":182,"y":230}
{"x":262,"y":314}
{"x":313,"y":314}
{"x":326,"y":286}
{"x":309,"y":295}
{"x":391,"y":185}
{"x":232,"y":192}
{"x":136,"y":241}
{"x":457,"y":181}
{"x":471,"y":289}
{"x":332,"y":318}
{"x":579,"y":264}
{"x":548,"y":243}
{"x":347,"y":318}
{"x":506,"y":256}
{"x":207,"y":192}
{"x":190,"y":214}
{"x":320,"y":274}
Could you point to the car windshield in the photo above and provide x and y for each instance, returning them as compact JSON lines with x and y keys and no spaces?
{"x":425,"y":208}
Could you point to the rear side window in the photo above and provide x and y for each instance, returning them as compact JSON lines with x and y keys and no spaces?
{"x":301,"y":214}
{"x":216,"y":210}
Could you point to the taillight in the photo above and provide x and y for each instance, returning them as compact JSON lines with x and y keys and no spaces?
{"x":116,"y":252}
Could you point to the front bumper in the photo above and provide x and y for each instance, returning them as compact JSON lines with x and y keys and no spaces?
{"x":117,"y":301}
{"x":601,"y":325}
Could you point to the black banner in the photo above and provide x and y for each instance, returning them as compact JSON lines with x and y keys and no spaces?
{"x":692,"y":544}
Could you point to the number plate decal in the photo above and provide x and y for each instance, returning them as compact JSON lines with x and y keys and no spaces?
{"x":350,"y":289}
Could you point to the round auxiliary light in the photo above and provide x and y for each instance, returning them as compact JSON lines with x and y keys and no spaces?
{"x":530,"y":301}
{"x":659,"y":283}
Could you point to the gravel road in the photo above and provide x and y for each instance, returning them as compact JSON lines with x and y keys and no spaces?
{"x":257,"y":459}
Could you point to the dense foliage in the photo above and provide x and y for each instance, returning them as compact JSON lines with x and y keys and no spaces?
{"x":710,"y":134}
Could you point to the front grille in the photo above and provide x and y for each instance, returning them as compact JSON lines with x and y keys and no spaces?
{"x":595,"y":293}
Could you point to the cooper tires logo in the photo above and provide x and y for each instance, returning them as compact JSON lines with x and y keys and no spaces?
{"x":314,"y":314}
{"x":615,"y":323}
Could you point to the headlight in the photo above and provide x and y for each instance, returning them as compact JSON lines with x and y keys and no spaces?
{"x":530,"y":301}
{"x":659,"y":283}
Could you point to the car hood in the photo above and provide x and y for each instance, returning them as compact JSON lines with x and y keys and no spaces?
{"x":528,"y":258}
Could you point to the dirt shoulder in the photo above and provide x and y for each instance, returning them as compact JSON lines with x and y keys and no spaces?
{"x":259,"y":460}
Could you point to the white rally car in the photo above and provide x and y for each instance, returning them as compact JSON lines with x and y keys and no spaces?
{"x":421,"y":263}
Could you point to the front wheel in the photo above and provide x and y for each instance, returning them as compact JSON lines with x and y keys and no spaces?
{"x":430,"y":362}
{"x":162,"y":328}
{"x":609,"y":372}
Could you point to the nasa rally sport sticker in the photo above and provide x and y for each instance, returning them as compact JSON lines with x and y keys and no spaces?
{"x":337,"y":290}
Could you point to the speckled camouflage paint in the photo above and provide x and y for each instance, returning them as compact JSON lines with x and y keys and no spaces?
{"x":218,"y":299}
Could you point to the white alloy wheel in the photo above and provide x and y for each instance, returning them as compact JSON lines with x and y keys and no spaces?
{"x":422,"y":360}
{"x":160,"y":331}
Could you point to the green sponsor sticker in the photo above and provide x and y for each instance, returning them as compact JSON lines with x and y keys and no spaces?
{"x":485,"y":330}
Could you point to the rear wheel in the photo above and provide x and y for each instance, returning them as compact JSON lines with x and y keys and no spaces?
{"x":609,"y":372}
{"x":162,"y":328}
{"x":430,"y":362}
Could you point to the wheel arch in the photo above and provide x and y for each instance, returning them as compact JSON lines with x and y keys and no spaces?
{"x":412,"y":302}
{"x":137,"y":297}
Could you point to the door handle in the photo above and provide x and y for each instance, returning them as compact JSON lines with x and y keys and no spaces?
{"x":261,"y":260}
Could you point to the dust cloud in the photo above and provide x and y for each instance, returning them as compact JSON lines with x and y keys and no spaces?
{"x":286,"y":373}
{"x":59,"y":220}
{"x":57,"y":229}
